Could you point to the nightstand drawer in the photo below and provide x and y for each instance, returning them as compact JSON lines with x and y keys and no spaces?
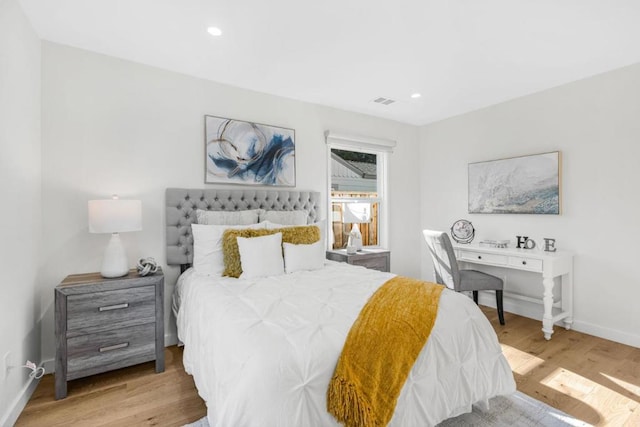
{"x":377,"y":263}
{"x":123,"y":307}
{"x":105,"y":351}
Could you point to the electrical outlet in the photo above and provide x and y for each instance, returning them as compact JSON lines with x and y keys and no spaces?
{"x":4,"y":366}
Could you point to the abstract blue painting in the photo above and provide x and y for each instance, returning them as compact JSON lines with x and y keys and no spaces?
{"x":240,"y":152}
{"x":518,"y":185}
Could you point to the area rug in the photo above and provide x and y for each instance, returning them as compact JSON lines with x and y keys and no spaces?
{"x":504,"y":411}
{"x":517,"y":409}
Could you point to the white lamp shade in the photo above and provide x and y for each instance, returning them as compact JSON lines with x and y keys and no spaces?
{"x":357,"y":213}
{"x":115,"y":216}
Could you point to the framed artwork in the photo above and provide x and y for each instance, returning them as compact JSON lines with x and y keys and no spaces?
{"x":239,"y":152}
{"x":518,"y":185}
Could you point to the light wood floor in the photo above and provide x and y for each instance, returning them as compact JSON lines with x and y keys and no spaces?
{"x":593,"y":379}
{"x":134,"y":396}
{"x":590,"y":378}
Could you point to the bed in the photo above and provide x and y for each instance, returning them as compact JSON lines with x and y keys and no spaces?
{"x":262,"y":350}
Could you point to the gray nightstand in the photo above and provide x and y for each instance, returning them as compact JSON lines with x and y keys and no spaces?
{"x":375,"y":259}
{"x":106,"y":324}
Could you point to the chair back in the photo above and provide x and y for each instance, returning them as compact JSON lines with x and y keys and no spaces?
{"x":445,"y":266}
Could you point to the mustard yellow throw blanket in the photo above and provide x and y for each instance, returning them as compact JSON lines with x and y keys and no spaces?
{"x":381,"y":348}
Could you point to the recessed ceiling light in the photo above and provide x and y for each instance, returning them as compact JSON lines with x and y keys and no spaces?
{"x":214,"y":31}
{"x":416,"y":95}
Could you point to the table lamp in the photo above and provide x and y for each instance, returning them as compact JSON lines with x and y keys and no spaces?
{"x":114,"y":216}
{"x":356,"y":213}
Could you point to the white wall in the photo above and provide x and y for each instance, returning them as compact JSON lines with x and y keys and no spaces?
{"x":595,"y":123}
{"x":20,"y":216}
{"x":112,"y":126}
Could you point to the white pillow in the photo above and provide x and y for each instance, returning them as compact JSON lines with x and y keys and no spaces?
{"x":271,"y":225}
{"x":261,"y":256}
{"x":303,"y":257}
{"x":207,"y":247}
{"x":285,"y":217}
{"x":228,"y":217}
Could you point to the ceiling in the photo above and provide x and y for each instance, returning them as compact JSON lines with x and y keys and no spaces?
{"x":461,"y":55}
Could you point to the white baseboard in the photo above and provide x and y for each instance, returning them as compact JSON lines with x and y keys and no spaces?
{"x":519,"y":307}
{"x":606,"y":333}
{"x":18,"y":404}
{"x":49,"y":366}
{"x":535,"y":311}
{"x":170,"y":339}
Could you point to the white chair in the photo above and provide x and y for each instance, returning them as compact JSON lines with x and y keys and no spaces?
{"x":447,"y":272}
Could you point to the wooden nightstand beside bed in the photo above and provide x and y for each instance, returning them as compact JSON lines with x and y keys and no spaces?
{"x":375,"y":259}
{"x":106,"y":324}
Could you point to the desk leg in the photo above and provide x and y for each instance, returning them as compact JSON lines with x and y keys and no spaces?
{"x":547,"y":318}
{"x":567,"y":299}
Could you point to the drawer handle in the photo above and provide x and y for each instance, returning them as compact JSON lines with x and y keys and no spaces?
{"x":479,"y":256}
{"x":524,"y":262}
{"x":114,"y":307}
{"x":114,"y":347}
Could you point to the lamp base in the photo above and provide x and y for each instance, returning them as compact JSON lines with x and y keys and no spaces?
{"x":355,"y":237}
{"x":114,"y":263}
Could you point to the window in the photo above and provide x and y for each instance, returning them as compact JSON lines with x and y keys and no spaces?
{"x":357,"y":193}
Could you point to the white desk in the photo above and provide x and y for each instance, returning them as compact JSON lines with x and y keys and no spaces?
{"x":549,"y":264}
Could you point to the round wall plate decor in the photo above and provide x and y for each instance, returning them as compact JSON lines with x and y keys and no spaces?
{"x":462,"y":231}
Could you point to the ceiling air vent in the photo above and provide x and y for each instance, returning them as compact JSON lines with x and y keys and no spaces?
{"x":384,"y":101}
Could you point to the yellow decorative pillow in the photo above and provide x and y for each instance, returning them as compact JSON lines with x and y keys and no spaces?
{"x":302,"y":235}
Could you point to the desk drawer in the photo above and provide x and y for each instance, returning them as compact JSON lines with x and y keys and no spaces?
{"x":104,"y":351}
{"x":483,"y":257}
{"x":122,"y":307}
{"x":525,"y":263}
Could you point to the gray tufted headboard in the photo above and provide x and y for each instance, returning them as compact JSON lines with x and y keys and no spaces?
{"x":181,"y":205}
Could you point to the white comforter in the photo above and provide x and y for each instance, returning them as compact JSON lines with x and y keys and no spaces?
{"x":262,"y":351}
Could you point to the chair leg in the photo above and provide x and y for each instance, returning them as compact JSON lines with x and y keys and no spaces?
{"x":475,"y":297}
{"x":499,"y":305}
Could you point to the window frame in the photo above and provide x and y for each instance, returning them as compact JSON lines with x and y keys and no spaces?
{"x":382,"y":149}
